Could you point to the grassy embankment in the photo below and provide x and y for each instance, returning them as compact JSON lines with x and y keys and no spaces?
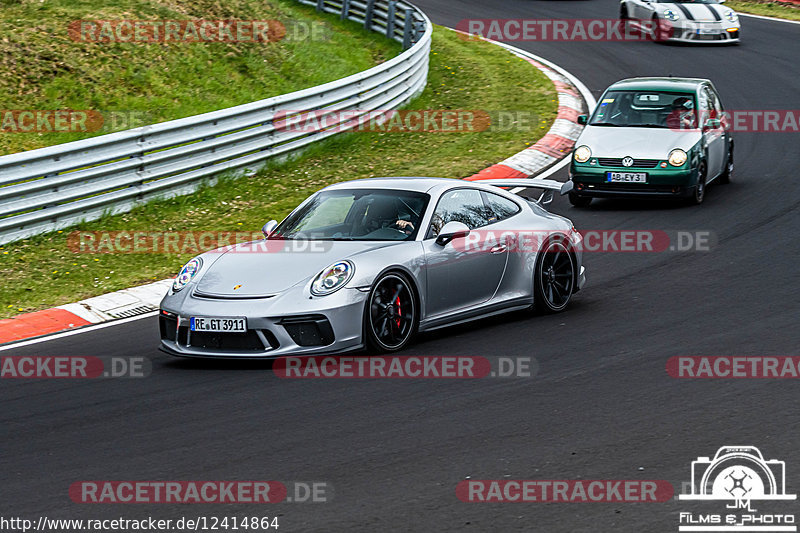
{"x":41,"y":272}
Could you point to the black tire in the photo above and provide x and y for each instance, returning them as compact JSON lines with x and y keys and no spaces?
{"x":579,"y":201}
{"x":725,"y":177}
{"x":699,"y":193}
{"x":623,"y":13}
{"x":554,"y":277}
{"x":391,"y":315}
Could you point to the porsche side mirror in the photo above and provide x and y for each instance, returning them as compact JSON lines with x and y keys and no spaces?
{"x":583,"y":119}
{"x":711,"y":124}
{"x":452,"y":230}
{"x":269,"y":227}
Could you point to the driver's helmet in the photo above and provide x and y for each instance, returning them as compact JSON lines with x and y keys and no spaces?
{"x":682,"y":104}
{"x":381,"y":213}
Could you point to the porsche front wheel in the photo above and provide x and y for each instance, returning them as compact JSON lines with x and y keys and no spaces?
{"x":391,"y":314}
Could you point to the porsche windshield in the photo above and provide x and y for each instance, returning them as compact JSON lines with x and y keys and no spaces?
{"x":645,"y":109}
{"x":356,"y":215}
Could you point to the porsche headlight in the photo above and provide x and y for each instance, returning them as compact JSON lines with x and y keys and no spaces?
{"x":332,"y":278}
{"x":582,"y":154}
{"x":671,"y":15}
{"x":677,"y":157}
{"x":186,"y":274}
{"x":731,"y":16}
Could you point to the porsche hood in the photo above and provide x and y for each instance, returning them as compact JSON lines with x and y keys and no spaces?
{"x":696,"y":12}
{"x":252,"y":271}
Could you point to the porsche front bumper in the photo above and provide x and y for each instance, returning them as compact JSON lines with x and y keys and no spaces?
{"x":286,"y":324}
{"x":722,"y":32}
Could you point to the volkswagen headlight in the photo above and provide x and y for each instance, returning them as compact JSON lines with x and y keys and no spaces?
{"x":582,"y":154}
{"x":671,"y":15}
{"x":332,"y":278}
{"x":186,"y":274}
{"x":731,"y":16}
{"x":677,"y":157}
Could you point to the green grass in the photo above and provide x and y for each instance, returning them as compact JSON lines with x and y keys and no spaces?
{"x":41,"y":68}
{"x":766,"y":8}
{"x":42,"y":272}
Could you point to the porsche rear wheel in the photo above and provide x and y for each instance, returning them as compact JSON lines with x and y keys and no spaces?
{"x":554,"y":277}
{"x":391,"y":314}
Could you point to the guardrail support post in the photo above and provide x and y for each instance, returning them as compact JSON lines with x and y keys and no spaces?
{"x":345,"y":9}
{"x":368,"y":15}
{"x":390,"y":19}
{"x":320,"y":5}
{"x":408,"y":29}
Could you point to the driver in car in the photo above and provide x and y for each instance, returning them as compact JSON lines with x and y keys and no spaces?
{"x":681,"y":116}
{"x":385,"y":213}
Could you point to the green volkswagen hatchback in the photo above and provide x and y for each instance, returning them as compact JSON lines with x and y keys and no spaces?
{"x":652,"y":137}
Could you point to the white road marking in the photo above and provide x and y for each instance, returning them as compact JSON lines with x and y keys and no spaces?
{"x":71,"y":332}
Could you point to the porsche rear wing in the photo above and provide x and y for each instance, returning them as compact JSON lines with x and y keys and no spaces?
{"x":519,"y":184}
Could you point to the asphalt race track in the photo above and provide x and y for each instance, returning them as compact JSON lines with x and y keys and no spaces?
{"x":601,"y":407}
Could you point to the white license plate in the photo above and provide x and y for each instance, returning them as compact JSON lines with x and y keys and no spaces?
{"x":706,"y":31}
{"x":218,"y":324}
{"x":626,"y":177}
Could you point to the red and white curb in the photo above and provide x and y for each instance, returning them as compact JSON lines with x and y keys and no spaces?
{"x":551,"y":151}
{"x":127,"y":303}
{"x":142,"y":301}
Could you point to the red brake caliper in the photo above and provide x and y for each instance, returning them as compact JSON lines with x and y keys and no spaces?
{"x":399,"y":311}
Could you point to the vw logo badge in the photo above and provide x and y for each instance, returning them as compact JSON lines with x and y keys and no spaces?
{"x":627,"y":161}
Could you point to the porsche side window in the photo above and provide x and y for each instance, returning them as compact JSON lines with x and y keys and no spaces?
{"x":460,"y":205}
{"x":501,"y":208}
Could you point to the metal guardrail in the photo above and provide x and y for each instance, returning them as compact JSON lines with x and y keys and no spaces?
{"x":55,"y":187}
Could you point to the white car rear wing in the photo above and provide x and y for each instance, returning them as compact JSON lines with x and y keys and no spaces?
{"x":520,"y":184}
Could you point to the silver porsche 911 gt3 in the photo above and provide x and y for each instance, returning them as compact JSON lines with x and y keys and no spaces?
{"x":368,"y":263}
{"x":689,"y":21}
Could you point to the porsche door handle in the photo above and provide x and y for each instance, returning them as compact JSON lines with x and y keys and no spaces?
{"x":499,"y":249}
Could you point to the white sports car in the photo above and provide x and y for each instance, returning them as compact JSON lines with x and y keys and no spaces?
{"x":689,"y":21}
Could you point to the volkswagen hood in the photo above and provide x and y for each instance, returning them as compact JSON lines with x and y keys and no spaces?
{"x":639,"y":143}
